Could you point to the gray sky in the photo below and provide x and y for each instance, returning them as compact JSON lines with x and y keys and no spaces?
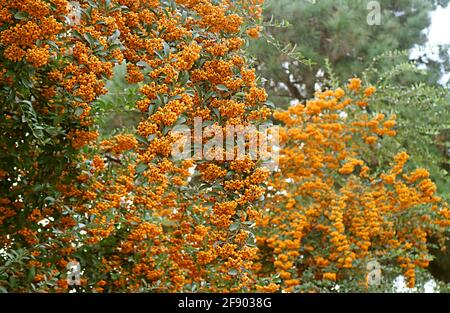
{"x":439,"y":31}
{"x":438,"y":34}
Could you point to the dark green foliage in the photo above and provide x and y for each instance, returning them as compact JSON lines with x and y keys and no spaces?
{"x":117,"y":108}
{"x":337,"y":31}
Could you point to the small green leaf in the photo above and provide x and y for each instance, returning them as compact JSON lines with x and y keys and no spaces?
{"x":141,"y":168}
{"x":233,"y":272}
{"x":222,"y":87}
{"x":53,"y":44}
{"x":166,"y":49}
{"x":143,"y":64}
{"x":183,"y":16}
{"x":251,"y":240}
{"x":183,"y":77}
{"x":31,"y":274}
{"x":208,"y":123}
{"x":141,"y":139}
{"x":234,"y":227}
{"x":166,"y":130}
{"x":217,"y":112}
{"x":159,"y":55}
{"x":181,"y":120}
{"x":79,"y":111}
{"x":190,"y":92}
{"x":90,"y":39}
{"x":49,"y":200}
{"x":21,"y":15}
{"x":115,"y":35}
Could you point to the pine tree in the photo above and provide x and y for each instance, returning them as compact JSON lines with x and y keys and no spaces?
{"x":345,"y":32}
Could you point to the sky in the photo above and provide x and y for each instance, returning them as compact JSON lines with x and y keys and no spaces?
{"x":438,"y":34}
{"x":439,"y":31}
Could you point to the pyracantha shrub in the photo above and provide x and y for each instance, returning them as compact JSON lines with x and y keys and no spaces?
{"x":328,"y":215}
{"x":137,"y":226}
{"x":138,"y":219}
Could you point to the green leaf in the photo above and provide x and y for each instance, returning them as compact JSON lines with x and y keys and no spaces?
{"x":183,"y":16}
{"x":222,"y":87}
{"x":234,"y":227}
{"x":31,"y":274}
{"x":50,"y":200}
{"x":190,"y":92}
{"x":181,"y":120}
{"x":251,"y":240}
{"x":21,"y":15}
{"x":53,"y":44}
{"x":217,"y":112}
{"x":233,"y":272}
{"x":166,"y":50}
{"x":183,"y":77}
{"x":207,"y":123}
{"x":79,"y":111}
{"x":141,"y":168}
{"x":90,"y":39}
{"x":166,"y":130}
{"x":143,"y":64}
{"x":115,"y":35}
{"x":141,"y":139}
{"x":270,"y":104}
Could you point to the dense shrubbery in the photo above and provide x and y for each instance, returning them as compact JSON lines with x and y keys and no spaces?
{"x":329,"y":214}
{"x":138,"y":219}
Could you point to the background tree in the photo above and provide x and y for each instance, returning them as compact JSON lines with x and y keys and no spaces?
{"x":336,"y":37}
{"x":337,"y":31}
